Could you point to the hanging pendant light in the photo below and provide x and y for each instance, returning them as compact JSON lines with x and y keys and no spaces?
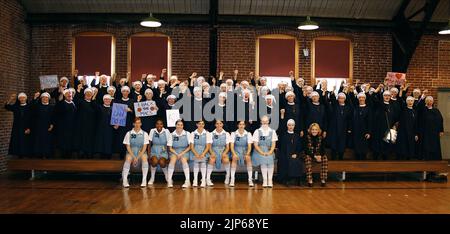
{"x":151,"y":22}
{"x":446,"y":30}
{"x":308,"y":24}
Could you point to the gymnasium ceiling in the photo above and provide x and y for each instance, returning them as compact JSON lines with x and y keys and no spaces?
{"x":343,"y":9}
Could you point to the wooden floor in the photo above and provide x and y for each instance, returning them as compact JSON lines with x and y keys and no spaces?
{"x":105,"y":195}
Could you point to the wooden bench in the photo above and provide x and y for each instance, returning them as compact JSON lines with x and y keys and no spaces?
{"x":333,"y":166}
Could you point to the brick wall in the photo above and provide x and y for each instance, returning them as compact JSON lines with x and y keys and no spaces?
{"x":430,"y":65}
{"x":52,"y":48}
{"x":371,"y":50}
{"x":14,"y":65}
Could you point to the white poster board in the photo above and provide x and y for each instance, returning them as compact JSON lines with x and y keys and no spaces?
{"x":147,"y":108}
{"x":172,"y":117}
{"x":49,"y":81}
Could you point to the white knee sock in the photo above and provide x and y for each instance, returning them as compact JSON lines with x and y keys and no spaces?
{"x":264,"y":172}
{"x":125,"y":171}
{"x":144,"y":171}
{"x":203,"y":170}
{"x":196,"y":169}
{"x":227,"y":170}
{"x":233,"y":172}
{"x":186,"y":171}
{"x":170,"y":170}
{"x":250,"y":173}
{"x":210,"y":170}
{"x":152,"y":173}
{"x":164,"y":170}
{"x":270,"y":173}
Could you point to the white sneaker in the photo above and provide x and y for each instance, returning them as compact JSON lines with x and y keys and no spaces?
{"x":270,"y":184}
{"x":144,"y":183}
{"x":203,"y":184}
{"x":250,"y":183}
{"x":265,"y":184}
{"x":209,"y":183}
{"x":125,"y":183}
{"x":195,"y":183}
{"x":231,"y":183}
{"x":227,"y":180}
{"x":150,"y":182}
{"x":170,"y":184}
{"x":186,"y":184}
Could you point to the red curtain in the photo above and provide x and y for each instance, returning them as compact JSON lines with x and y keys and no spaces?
{"x":93,"y":53}
{"x":276,"y":56}
{"x":332,"y":58}
{"x":148,"y":55}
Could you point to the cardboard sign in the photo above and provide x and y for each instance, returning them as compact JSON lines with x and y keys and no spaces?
{"x":49,"y":81}
{"x":147,"y":108}
{"x":395,"y":78}
{"x":119,"y":114}
{"x":172,"y":117}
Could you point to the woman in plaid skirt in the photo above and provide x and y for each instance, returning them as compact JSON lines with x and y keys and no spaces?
{"x":314,"y":150}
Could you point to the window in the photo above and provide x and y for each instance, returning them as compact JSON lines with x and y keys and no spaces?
{"x":93,"y":52}
{"x":276,"y":55}
{"x":148,"y":53}
{"x":332,"y":60}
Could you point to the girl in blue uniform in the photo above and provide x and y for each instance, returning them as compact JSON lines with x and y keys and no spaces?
{"x":179,"y":150}
{"x":159,"y":139}
{"x":200,"y":141}
{"x":264,"y":140}
{"x":241,"y":147}
{"x":220,"y":149}
{"x":136,"y":141}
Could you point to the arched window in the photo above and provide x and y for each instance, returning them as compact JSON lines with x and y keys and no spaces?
{"x":276,"y":55}
{"x":148,"y":53}
{"x":93,"y":54}
{"x":332,"y":59}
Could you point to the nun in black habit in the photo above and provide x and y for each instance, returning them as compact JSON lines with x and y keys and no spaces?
{"x":122,"y":130}
{"x":361,"y":126}
{"x":105,"y":132}
{"x":407,"y":130}
{"x":86,"y":121}
{"x":290,"y":161}
{"x":43,"y":119}
{"x":431,"y":128}
{"x":385,"y":117}
{"x":340,"y":114}
{"x":20,"y":140}
{"x":65,"y":115}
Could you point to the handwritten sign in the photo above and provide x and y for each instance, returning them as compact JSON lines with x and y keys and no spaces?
{"x":172,"y":117}
{"x":119,"y":114}
{"x":395,"y":78}
{"x":49,"y":81}
{"x":147,"y":108}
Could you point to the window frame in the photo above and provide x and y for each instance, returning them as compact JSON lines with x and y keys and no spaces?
{"x":278,"y":36}
{"x":151,"y":34}
{"x":313,"y":54}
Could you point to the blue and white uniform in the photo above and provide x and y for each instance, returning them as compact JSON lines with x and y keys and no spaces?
{"x":136,"y":141}
{"x":159,"y":141}
{"x":180,"y":142}
{"x":200,"y":140}
{"x":241,"y":142}
{"x":219,"y":144}
{"x":264,"y":138}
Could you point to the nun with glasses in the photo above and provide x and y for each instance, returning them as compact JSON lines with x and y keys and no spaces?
{"x":65,"y":124}
{"x":407,"y":130}
{"x":105,"y":132}
{"x":122,"y":130}
{"x":431,"y":129}
{"x":86,"y":122}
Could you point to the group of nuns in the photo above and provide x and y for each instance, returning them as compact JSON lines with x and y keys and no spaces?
{"x":306,"y":119}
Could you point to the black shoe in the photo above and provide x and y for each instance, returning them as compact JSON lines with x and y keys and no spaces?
{"x":310,"y":185}
{"x":322,"y":184}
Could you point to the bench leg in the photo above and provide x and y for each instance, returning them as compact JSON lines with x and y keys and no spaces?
{"x":424,"y":175}
{"x":343,"y":176}
{"x":32,"y":175}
